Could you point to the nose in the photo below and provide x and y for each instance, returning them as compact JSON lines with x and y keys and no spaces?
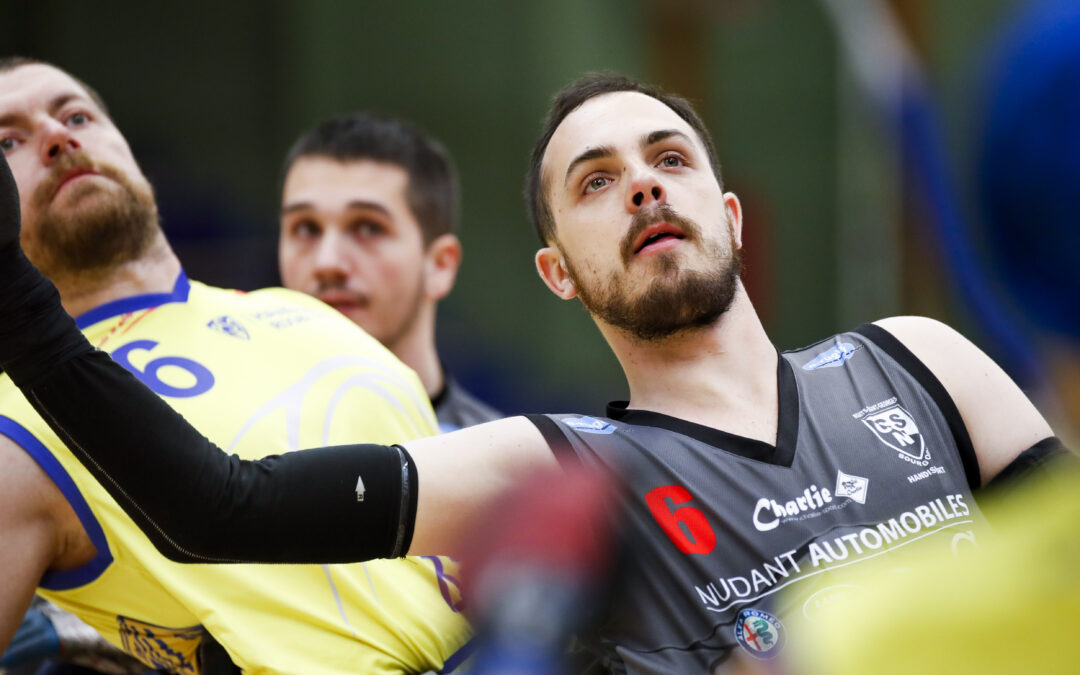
{"x":56,"y":140}
{"x":645,"y":190}
{"x":331,"y":260}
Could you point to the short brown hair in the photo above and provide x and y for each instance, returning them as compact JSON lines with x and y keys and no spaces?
{"x":12,"y":62}
{"x":570,"y":99}
{"x":432,"y":193}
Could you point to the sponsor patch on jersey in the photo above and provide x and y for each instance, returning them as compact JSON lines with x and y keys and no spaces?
{"x":811,"y":502}
{"x":160,"y":647}
{"x":760,"y":633}
{"x":832,"y":358}
{"x":852,"y":487}
{"x":284,"y":317}
{"x":589,"y":425}
{"x":229,"y":326}
{"x":896,"y":428}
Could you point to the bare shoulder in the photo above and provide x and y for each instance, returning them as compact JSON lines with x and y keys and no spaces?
{"x":25,"y":490}
{"x":32,"y":517}
{"x":1000,"y":418}
{"x":30,"y":500}
{"x":462,"y":473}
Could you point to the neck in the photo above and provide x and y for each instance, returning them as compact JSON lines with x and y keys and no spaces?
{"x":722,"y":375}
{"x":153,"y":272}
{"x":416,"y":349}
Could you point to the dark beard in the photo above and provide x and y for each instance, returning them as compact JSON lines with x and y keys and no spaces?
{"x":678,"y":300}
{"x":94,"y":236}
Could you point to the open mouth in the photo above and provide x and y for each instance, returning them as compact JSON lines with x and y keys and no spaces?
{"x":658,"y":237}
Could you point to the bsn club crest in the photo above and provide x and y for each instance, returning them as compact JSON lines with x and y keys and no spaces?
{"x":895,"y":427}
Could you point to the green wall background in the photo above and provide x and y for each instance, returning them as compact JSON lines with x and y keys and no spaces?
{"x":211,"y":94}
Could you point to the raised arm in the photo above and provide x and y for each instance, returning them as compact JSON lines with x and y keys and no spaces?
{"x":1000,"y":419}
{"x":197,"y":504}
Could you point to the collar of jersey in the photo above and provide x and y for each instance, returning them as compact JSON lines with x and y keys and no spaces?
{"x":787,"y":433}
{"x":134,"y":303}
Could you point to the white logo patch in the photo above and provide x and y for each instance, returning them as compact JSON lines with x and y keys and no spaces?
{"x":852,"y":487}
{"x":896,"y":428}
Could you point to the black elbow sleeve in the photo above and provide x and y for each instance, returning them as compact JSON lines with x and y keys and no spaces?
{"x":337,"y":504}
{"x":199,"y":505}
{"x":1041,"y":458}
{"x":194,"y":502}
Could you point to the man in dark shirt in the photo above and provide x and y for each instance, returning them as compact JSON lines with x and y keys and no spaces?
{"x":368,"y":218}
{"x":748,"y":470}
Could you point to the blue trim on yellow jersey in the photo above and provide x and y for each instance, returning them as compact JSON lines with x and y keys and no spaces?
{"x":134,"y":303}
{"x":458,"y":657}
{"x":80,"y":576}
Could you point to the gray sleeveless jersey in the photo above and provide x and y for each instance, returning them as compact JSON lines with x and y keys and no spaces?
{"x":871,"y":456}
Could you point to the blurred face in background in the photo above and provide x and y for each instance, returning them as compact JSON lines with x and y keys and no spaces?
{"x":349,"y":238}
{"x":85,"y":203}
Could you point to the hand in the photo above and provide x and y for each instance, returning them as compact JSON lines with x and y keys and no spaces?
{"x":9,"y":205}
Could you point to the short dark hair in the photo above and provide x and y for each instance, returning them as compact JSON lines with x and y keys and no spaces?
{"x":570,"y":99}
{"x":12,"y":62}
{"x":432,"y":193}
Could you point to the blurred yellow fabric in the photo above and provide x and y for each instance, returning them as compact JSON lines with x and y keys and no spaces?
{"x":1012,"y":605}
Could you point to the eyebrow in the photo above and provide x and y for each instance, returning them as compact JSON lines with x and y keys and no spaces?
{"x":11,"y":119}
{"x":607,"y":151}
{"x":355,"y":205}
{"x":657,"y":136}
{"x":590,"y":154}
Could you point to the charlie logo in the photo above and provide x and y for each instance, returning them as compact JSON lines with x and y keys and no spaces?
{"x":852,"y":487}
{"x":759,"y":633}
{"x":895,"y":427}
{"x":229,"y":326}
{"x":768,"y":512}
{"x":589,"y":425}
{"x":833,"y":358}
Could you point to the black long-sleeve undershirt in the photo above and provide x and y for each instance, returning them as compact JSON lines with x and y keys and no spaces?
{"x":193,"y":501}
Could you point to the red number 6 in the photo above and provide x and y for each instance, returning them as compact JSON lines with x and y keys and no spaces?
{"x":685,"y":526}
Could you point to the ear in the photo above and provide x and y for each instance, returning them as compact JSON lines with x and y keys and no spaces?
{"x":552,"y":269}
{"x":734,"y":215}
{"x":441,"y":262}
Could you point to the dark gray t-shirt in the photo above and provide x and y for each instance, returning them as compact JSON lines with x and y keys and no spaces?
{"x":871,"y":455}
{"x":456,"y":408}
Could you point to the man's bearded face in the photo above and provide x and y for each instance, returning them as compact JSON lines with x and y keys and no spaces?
{"x":90,"y":224}
{"x":678,"y":297}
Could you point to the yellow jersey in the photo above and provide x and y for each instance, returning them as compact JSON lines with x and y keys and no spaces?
{"x":1012,"y":605}
{"x":259,"y":373}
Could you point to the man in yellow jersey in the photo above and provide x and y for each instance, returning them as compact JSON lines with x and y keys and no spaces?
{"x":271,"y":368}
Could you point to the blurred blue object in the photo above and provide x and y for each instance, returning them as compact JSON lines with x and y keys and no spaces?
{"x":892,"y":78}
{"x":35,"y":640}
{"x":1029,"y":164}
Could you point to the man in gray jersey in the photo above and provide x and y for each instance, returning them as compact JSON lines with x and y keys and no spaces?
{"x":746,"y":470}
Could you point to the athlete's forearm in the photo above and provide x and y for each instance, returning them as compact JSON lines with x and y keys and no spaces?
{"x":195,"y":503}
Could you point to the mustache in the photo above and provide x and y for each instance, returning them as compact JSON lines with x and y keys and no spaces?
{"x":338,"y":286}
{"x":67,"y":162}
{"x":642,"y":220}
